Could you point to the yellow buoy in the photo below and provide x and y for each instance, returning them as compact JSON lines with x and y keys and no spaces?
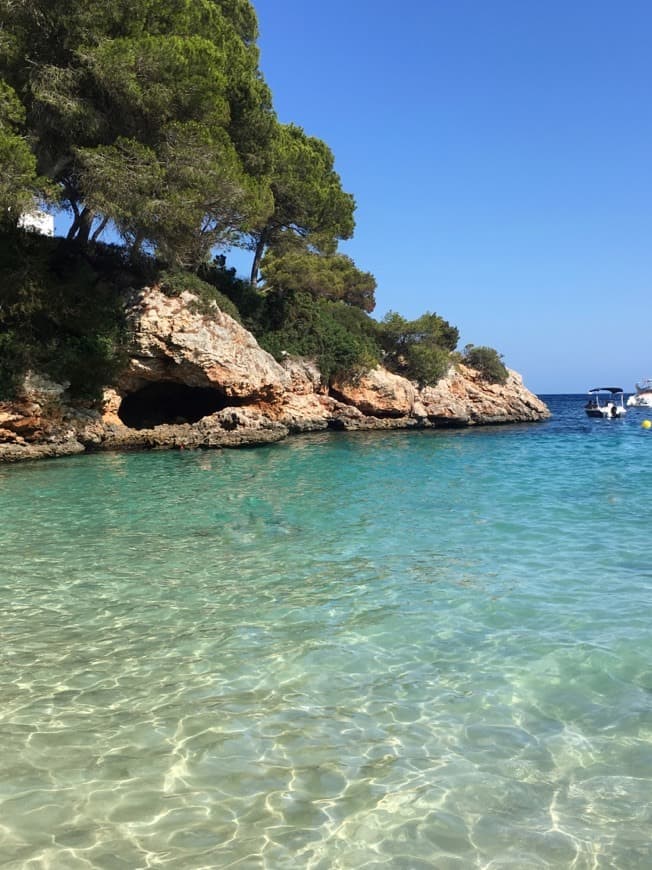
{"x":646,"y":424}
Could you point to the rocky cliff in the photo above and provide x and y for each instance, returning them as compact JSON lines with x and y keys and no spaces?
{"x":203,"y":381}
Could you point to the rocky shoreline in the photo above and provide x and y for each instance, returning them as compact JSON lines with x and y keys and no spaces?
{"x":194,"y":381}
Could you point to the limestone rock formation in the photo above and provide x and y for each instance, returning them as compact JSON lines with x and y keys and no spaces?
{"x":378,"y":393}
{"x":464,"y":398}
{"x":34,"y":426}
{"x":197,"y":380}
{"x":173,"y":343}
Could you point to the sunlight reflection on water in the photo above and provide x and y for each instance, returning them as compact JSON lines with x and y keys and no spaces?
{"x":402,"y":650}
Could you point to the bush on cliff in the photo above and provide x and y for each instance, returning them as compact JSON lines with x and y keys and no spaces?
{"x":417,"y":349}
{"x":338,"y":337}
{"x":487,"y":361}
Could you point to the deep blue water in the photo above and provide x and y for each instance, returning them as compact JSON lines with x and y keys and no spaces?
{"x":396,"y":650}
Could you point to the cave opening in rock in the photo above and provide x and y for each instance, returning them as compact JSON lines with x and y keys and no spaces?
{"x":168,"y":402}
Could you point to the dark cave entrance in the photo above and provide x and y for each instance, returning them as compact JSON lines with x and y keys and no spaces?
{"x":168,"y":402}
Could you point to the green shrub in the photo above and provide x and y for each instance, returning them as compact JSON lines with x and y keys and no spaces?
{"x":13,"y":363}
{"x":417,"y":349}
{"x":487,"y":361}
{"x":60,"y":313}
{"x":427,"y":363}
{"x":339,"y":338}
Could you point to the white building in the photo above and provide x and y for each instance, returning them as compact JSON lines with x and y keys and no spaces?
{"x":38,"y":222}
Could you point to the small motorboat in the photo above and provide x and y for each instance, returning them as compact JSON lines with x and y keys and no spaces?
{"x":606,"y":402}
{"x":643,"y":396}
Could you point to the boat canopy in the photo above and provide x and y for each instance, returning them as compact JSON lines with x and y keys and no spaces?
{"x":606,"y":390}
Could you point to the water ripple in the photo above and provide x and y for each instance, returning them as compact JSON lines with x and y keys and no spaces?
{"x":401,"y":650}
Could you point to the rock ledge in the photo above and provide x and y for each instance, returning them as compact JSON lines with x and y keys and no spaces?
{"x":198,"y":381}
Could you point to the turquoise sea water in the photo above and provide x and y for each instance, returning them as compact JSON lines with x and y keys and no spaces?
{"x":400,"y":650}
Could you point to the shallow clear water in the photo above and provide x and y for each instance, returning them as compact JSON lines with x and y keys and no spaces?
{"x":397,"y":650}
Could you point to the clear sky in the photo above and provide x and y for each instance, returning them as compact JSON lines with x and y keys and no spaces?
{"x":500,"y":154}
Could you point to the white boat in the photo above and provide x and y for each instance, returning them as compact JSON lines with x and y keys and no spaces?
{"x":606,"y":402}
{"x":643,"y":396}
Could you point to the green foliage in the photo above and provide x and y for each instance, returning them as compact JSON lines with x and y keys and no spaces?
{"x":61,"y":313}
{"x":399,"y":333}
{"x":487,"y":361}
{"x":175,"y":283}
{"x":427,"y":363}
{"x":339,"y":338}
{"x":331,"y":276}
{"x":13,"y":362}
{"x":152,"y":114}
{"x":308,"y":200}
{"x":417,"y":349}
{"x":18,"y":178}
{"x":181,"y":200}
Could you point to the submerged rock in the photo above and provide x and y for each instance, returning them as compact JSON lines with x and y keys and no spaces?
{"x":198,"y":380}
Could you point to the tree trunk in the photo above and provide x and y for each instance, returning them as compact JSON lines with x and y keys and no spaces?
{"x":75,"y":223}
{"x":98,"y":232}
{"x":85,"y":224}
{"x":137,"y":243}
{"x":258,"y":256}
{"x":81,"y":226}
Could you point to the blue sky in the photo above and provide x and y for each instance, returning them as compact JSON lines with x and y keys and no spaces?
{"x":500,"y":155}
